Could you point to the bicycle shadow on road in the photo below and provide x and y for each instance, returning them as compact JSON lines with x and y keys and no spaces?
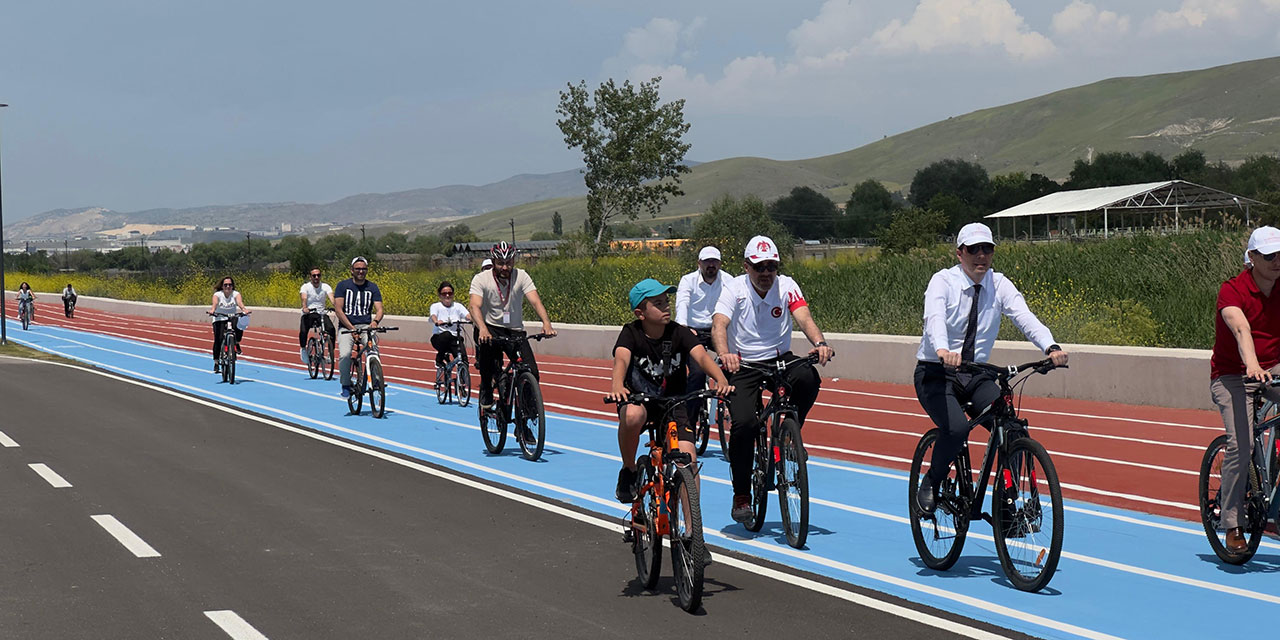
{"x":667,"y":588}
{"x":1257,"y":564}
{"x":978,"y":566}
{"x":514,"y":452}
{"x":771,"y":528}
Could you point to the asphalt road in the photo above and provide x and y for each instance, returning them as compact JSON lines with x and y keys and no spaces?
{"x":304,"y":539}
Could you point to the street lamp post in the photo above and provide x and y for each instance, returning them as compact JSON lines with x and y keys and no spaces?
{"x":4,"y":334}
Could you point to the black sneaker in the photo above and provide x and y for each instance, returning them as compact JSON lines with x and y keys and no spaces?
{"x":626,"y":490}
{"x":926,"y":497}
{"x":742,"y":512}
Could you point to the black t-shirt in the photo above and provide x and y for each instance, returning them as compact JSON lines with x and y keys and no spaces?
{"x":657,"y":366}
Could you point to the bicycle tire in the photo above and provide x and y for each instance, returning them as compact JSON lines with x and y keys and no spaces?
{"x":702,"y":435}
{"x":377,"y":389}
{"x":531,"y":417}
{"x":493,"y":428}
{"x":760,"y":476}
{"x":442,"y":385}
{"x":1211,"y":505}
{"x":355,"y":401}
{"x":329,"y":360}
{"x":1028,"y":560}
{"x":646,"y":541}
{"x":723,"y":424}
{"x":26,"y":319}
{"x":313,"y":358}
{"x":685,"y":533}
{"x":939,"y":537}
{"x":462,"y":384}
{"x":229,"y":367}
{"x":793,"y":483}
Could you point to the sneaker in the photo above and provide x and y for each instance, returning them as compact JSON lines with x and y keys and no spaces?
{"x":238,"y":352}
{"x":626,"y":490}
{"x":1235,"y":540}
{"x":742,"y":511}
{"x":346,"y":391}
{"x":217,"y":367}
{"x":302,"y":353}
{"x":926,"y":497}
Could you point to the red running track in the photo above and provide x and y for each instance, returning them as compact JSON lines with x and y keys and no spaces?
{"x":1135,"y":457}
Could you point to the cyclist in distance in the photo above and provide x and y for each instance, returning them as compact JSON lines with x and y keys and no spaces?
{"x":227,"y":302}
{"x":650,"y":357}
{"x":497,"y":308}
{"x":25,"y":294}
{"x":358,"y":303}
{"x":963,"y":306}
{"x":1246,"y":353}
{"x":314,"y":294}
{"x":696,"y":298}
{"x":759,"y":306}
{"x":68,"y":298}
{"x":445,"y":339}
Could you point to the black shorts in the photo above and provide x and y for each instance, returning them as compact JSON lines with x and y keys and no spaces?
{"x":684,"y":430}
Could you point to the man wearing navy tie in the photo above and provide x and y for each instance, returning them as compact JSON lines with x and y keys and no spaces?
{"x":963,"y":306}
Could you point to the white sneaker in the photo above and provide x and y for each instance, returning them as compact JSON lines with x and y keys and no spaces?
{"x":302,"y":353}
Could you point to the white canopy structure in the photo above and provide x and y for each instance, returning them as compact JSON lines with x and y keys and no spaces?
{"x":1170,"y":196}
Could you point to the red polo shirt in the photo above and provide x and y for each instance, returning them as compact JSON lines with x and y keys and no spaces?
{"x":1263,"y":314}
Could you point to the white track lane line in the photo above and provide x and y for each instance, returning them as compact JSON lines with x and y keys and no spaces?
{"x":56,"y":481}
{"x":124,"y":536}
{"x":7,"y":441}
{"x":234,"y":626}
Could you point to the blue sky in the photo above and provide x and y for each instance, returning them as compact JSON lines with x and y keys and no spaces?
{"x":137,"y":104}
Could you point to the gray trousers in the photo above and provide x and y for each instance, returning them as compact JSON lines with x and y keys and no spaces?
{"x":1231,"y":393}
{"x":344,"y":354}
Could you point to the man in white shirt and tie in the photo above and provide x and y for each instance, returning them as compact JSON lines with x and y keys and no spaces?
{"x":696,"y":297}
{"x":963,"y":306}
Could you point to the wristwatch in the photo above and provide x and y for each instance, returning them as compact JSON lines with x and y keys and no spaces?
{"x":1052,"y":348}
{"x":822,"y":344}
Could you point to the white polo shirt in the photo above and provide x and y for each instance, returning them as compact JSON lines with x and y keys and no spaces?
{"x":696,"y":300}
{"x":759,"y":327}
{"x":946,"y":314}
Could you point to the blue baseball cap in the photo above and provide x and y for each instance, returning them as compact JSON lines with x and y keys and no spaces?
{"x":648,"y":288}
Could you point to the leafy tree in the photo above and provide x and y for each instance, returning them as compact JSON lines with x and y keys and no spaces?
{"x":806,"y":213}
{"x":1189,"y":165}
{"x":956,"y":211}
{"x":631,"y":146}
{"x":543,"y":235}
{"x":304,"y":257}
{"x":331,"y":247}
{"x":730,"y":223}
{"x":1114,"y":168}
{"x":1012,"y":189}
{"x":557,"y":224}
{"x":1256,"y":175}
{"x":870,"y":207}
{"x":967,"y":181}
{"x":912,"y":228}
{"x":392,"y":242}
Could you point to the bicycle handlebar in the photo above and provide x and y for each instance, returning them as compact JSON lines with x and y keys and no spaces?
{"x":371,"y":330}
{"x":223,"y":316}
{"x":1004,"y":373}
{"x":641,"y":398}
{"x":779,"y":367}
{"x":522,"y":338}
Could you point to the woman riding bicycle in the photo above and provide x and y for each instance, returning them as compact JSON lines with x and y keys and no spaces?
{"x":1246,"y":353}
{"x":227,"y":302}
{"x":26,"y":295}
{"x":445,"y":312}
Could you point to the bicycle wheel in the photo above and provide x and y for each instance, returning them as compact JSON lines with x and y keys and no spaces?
{"x":687,"y":546}
{"x":702,"y":430}
{"x":646,"y":541}
{"x":723,"y":424}
{"x":329,"y":361}
{"x":531,"y":417}
{"x":224,"y":361}
{"x":1252,"y":519}
{"x":442,"y":385}
{"x":761,"y":472}
{"x":462,"y":384}
{"x":493,"y":427}
{"x":939,"y":536}
{"x":377,"y":389}
{"x":793,"y":483}
{"x":26,"y":318}
{"x":355,"y":401}
{"x":1028,"y":532}
{"x":313,"y":358}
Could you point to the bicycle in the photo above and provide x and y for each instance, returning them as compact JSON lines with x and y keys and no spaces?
{"x":26,"y":310}
{"x":519,"y":402}
{"x":713,"y":406}
{"x":319,"y":348}
{"x":227,"y":354}
{"x":71,"y":307}
{"x":1260,"y":503}
{"x":453,"y":380}
{"x":779,"y":457}
{"x":667,"y":504}
{"x":366,"y":371}
{"x":1018,"y":513}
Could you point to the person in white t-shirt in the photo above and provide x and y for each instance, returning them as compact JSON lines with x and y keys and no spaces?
{"x":447,"y":312}
{"x":696,"y":298}
{"x":315,"y":295}
{"x":759,"y":306}
{"x":226,"y":301}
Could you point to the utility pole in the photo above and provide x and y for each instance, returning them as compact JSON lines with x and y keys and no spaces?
{"x":66,"y":248}
{"x":4,"y":337}
{"x":513,"y":231}
{"x":362,"y":233}
{"x":248,"y":249}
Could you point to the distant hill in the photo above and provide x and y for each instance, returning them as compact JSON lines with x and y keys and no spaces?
{"x":1229,"y":112}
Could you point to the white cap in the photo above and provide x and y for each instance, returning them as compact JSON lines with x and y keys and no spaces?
{"x":974,"y":233}
{"x":486,"y":264}
{"x":708,"y":253}
{"x":1263,"y":240}
{"x":761,"y":248}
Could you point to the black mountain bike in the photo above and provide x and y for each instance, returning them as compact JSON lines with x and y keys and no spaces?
{"x":519,"y":401}
{"x":779,"y":458}
{"x":1260,"y":503}
{"x":715,"y":411}
{"x":1028,"y":532}
{"x":453,"y":380}
{"x":366,"y":371}
{"x":26,"y":310}
{"x":667,"y":504}
{"x":320,"y":358}
{"x":227,"y":355}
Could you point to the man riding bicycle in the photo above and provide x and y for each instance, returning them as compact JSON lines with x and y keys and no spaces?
{"x":759,"y":306}
{"x":1246,"y":353}
{"x":358,"y":303}
{"x":68,"y":299}
{"x":962,"y":311}
{"x":314,"y":294}
{"x":696,"y":298}
{"x":497,"y":308}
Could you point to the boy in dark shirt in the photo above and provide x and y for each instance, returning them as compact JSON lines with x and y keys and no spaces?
{"x":650,"y":357}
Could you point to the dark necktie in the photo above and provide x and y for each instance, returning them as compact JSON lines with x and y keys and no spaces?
{"x":971,"y":331}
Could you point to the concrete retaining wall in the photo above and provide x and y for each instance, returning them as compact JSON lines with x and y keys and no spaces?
{"x":1135,"y":375}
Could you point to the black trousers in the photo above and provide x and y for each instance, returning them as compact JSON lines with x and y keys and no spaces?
{"x":304,"y":327}
{"x":66,"y":305}
{"x":489,"y":357}
{"x":942,"y":393}
{"x":743,"y":402}
{"x":218,"y":329}
{"x":445,"y":344}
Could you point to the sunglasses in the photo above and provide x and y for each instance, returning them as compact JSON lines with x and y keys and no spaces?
{"x":360,"y":269}
{"x":975,"y":249}
{"x":228,"y":284}
{"x":765,"y":267}
{"x":1267,"y":256}
{"x":315,"y":275}
{"x":446,"y":293}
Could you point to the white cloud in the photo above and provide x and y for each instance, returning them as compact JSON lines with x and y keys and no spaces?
{"x":1083,"y":20}
{"x":946,"y":24}
{"x":654,"y":42}
{"x":838,"y":26}
{"x":1198,"y":14}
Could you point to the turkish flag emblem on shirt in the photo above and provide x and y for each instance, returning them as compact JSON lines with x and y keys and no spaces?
{"x":777,"y":312}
